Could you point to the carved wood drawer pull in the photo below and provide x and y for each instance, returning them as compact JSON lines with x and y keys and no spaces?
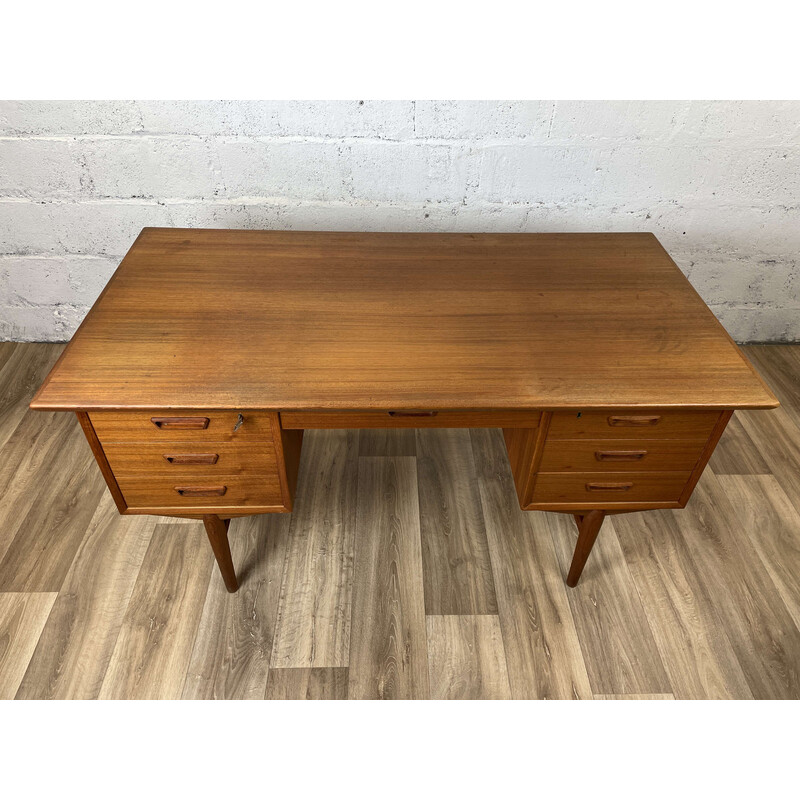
{"x":200,"y":491}
{"x":191,"y":458}
{"x":620,"y":455}
{"x":413,"y":413}
{"x":619,"y":422}
{"x":196,"y":423}
{"x":608,"y":487}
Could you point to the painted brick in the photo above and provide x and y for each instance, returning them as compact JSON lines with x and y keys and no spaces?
{"x":25,"y":323}
{"x":25,"y":227}
{"x":40,"y":168}
{"x":755,"y":176}
{"x":297,"y":169}
{"x":521,"y":174}
{"x":481,"y":119}
{"x":55,"y":280}
{"x":742,"y":124}
{"x":68,"y":117}
{"x":581,"y":123}
{"x":761,"y":323}
{"x":150,"y":167}
{"x":381,"y":119}
{"x":408,"y":171}
{"x":103,"y":228}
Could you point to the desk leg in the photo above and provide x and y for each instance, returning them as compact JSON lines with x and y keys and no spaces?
{"x":217,"y":530}
{"x":588,"y":528}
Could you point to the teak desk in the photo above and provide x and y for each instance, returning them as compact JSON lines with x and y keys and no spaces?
{"x":210,"y":351}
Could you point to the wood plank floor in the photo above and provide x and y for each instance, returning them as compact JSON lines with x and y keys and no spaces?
{"x":406,"y":571}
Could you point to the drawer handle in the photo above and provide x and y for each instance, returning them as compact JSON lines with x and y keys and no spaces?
{"x":201,"y":491}
{"x":413,"y":413}
{"x":620,"y":455}
{"x":191,"y":458}
{"x":196,"y":423}
{"x":619,"y":422}
{"x":608,"y":487}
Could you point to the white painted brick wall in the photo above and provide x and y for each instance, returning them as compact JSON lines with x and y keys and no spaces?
{"x":717,"y":182}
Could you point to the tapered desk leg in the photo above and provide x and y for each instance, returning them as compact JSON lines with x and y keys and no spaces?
{"x":217,"y":530}
{"x":588,"y":528}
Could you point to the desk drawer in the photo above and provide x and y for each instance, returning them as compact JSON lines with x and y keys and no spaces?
{"x":190,"y":459}
{"x":632,"y":425}
{"x":615,"y":455}
{"x":410,"y":419}
{"x":180,"y":425}
{"x":597,"y":488}
{"x":192,"y":491}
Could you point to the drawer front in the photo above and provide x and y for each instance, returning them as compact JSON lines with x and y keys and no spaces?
{"x":195,"y":492}
{"x":410,"y":419}
{"x":180,"y":426}
{"x":632,"y":425}
{"x":616,"y":455}
{"x":190,"y":459}
{"x":597,"y":488}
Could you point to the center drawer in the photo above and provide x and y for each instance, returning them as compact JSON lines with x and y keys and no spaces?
{"x":620,"y":455}
{"x":411,"y":419}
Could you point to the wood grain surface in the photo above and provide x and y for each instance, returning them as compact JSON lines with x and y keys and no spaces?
{"x":76,"y":644}
{"x":313,"y":627}
{"x":542,"y":648}
{"x":158,"y":631}
{"x":608,"y":614}
{"x":383,"y":321}
{"x":233,"y":645}
{"x":466,"y":660}
{"x":22,"y":617}
{"x":694,"y":648}
{"x":133,"y":607}
{"x":310,"y":683}
{"x":388,"y":653}
{"x":455,"y":553}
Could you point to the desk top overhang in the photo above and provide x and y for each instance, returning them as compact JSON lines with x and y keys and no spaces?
{"x":295,"y":320}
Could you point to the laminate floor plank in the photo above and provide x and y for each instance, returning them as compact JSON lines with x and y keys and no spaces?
{"x":388,"y":640}
{"x":634,"y":697}
{"x":22,"y":617}
{"x":695,"y":651}
{"x":309,"y":683}
{"x":231,"y":654}
{"x":387,"y":442}
{"x":78,"y":639}
{"x":777,"y":437}
{"x":6,"y":349}
{"x":779,"y":365}
{"x":455,"y":552}
{"x":542,"y":650}
{"x":155,"y":643}
{"x":729,"y":575}
{"x":736,"y":454}
{"x":51,"y":488}
{"x":313,"y":627}
{"x":773,"y":528}
{"x":620,"y":653}
{"x":23,"y":367}
{"x":466,"y":659}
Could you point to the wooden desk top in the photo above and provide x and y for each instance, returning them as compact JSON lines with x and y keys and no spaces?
{"x":284,"y":320}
